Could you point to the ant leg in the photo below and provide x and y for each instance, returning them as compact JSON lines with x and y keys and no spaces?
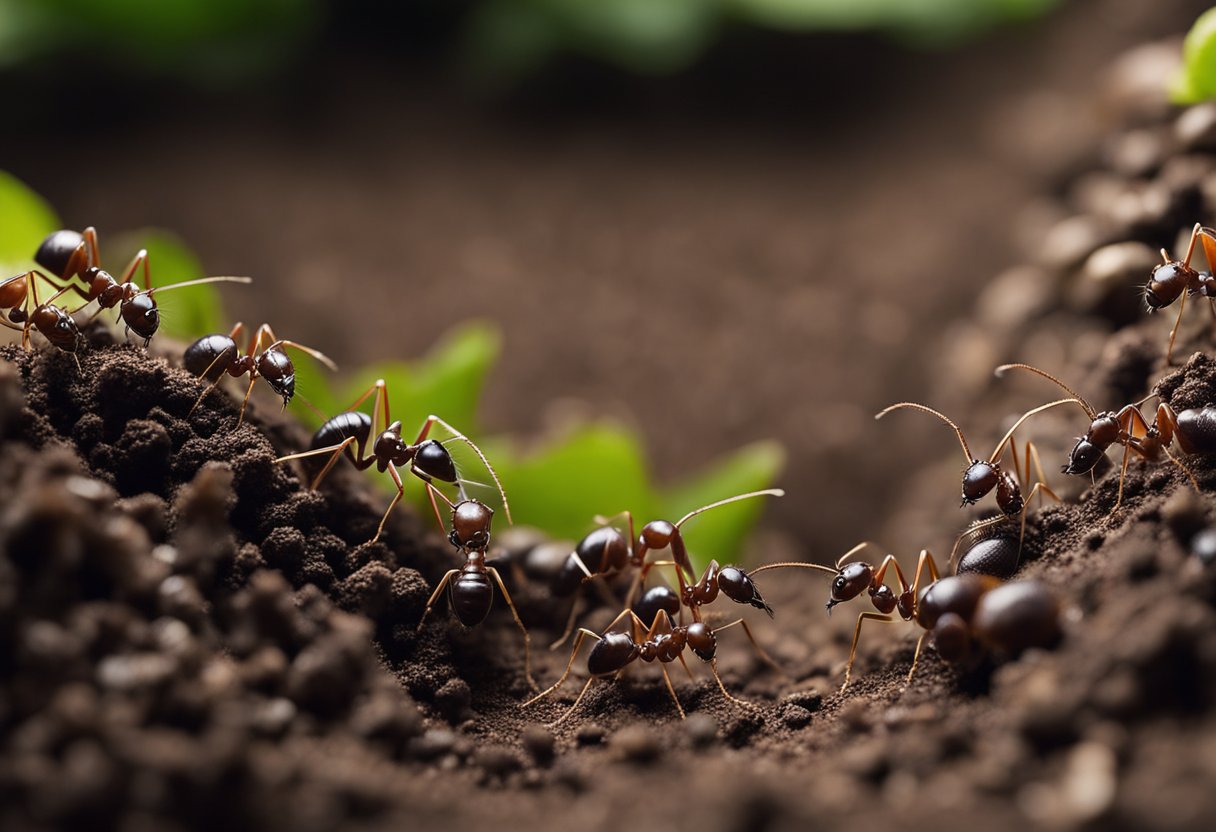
{"x":952,"y":564}
{"x":435,"y":595}
{"x":579,"y":699}
{"x":574,"y":611}
{"x":209,"y":388}
{"x":1122,"y":473}
{"x":515,"y":613}
{"x":333,"y":459}
{"x":457,"y":435}
{"x":317,"y":354}
{"x":1181,"y":465}
{"x":672,"y":691}
{"x":1169,"y":350}
{"x":760,"y":651}
{"x":680,"y":656}
{"x":431,"y":491}
{"x":863,"y":544}
{"x":245,"y":401}
{"x":140,"y":259}
{"x":578,"y":642}
{"x":92,"y":250}
{"x":920,"y":642}
{"x":743,"y":703}
{"x":392,"y":505}
{"x":848,"y":671}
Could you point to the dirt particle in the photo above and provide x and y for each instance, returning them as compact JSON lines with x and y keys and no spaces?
{"x":540,"y":744}
{"x":795,"y":716}
{"x":497,"y":760}
{"x":636,"y":744}
{"x":1203,"y":546}
{"x":701,"y":729}
{"x":433,"y":744}
{"x":454,"y":699}
{"x":590,"y":733}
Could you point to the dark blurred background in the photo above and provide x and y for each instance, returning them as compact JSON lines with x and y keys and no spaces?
{"x":719,"y":222}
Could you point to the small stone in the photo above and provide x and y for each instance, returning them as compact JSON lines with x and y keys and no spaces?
{"x":539,"y":743}
{"x":590,"y":734}
{"x":497,"y":760}
{"x":453,"y":700}
{"x":702,"y":730}
{"x":272,"y":717}
{"x":856,"y":714}
{"x":1139,"y":152}
{"x":1071,"y":240}
{"x":637,"y":744}
{"x":1108,"y":281}
{"x":1015,"y":296}
{"x":1185,"y":514}
{"x":1195,"y":129}
{"x":795,"y":716}
{"x":1090,"y":781}
{"x":1203,"y":546}
{"x":433,"y":744}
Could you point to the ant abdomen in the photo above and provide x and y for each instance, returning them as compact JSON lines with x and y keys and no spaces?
{"x":472,"y":596}
{"x":63,"y":253}
{"x":952,"y":637}
{"x":611,"y":653}
{"x":13,"y":293}
{"x":738,"y":586}
{"x":657,"y":599}
{"x":702,"y":640}
{"x":958,"y":594}
{"x":602,"y":550}
{"x":210,"y":356}
{"x":1196,"y":430}
{"x":58,"y":327}
{"x":342,"y":427}
{"x":883,"y":598}
{"x":1017,"y":616}
{"x":995,"y":556}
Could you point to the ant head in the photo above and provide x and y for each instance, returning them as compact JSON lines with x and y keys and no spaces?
{"x":139,"y":312}
{"x":657,"y":534}
{"x":279,"y":372}
{"x":702,"y":640}
{"x":852,"y":579}
{"x":1083,"y":457}
{"x":1166,"y":284}
{"x":390,"y":446}
{"x":979,"y":478}
{"x":63,"y":254}
{"x":471,"y":525}
{"x":738,"y":586}
{"x":433,"y":459}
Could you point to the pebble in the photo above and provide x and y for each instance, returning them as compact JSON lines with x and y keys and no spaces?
{"x":1195,"y":129}
{"x":702,"y":730}
{"x":795,"y":716}
{"x":1071,"y":240}
{"x":590,"y":733}
{"x":1139,"y":152}
{"x":453,"y":700}
{"x":1109,"y":280}
{"x":1203,"y":546}
{"x":433,"y":744}
{"x":637,"y":744}
{"x":539,"y":743}
{"x":1090,"y":781}
{"x":497,"y":760}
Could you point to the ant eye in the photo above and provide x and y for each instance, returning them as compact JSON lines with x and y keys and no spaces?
{"x":453,"y":538}
{"x":838,"y":584}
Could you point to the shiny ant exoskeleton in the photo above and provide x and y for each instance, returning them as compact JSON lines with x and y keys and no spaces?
{"x":68,"y":254}
{"x":470,"y":592}
{"x":606,"y":552}
{"x":1176,"y":279}
{"x":427,"y":459}
{"x":50,"y":321}
{"x":211,"y":356}
{"x":1194,"y":429}
{"x":956,"y":610}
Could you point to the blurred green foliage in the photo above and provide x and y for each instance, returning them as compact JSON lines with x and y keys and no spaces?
{"x":513,"y":37}
{"x":595,"y":468}
{"x":1197,"y":81}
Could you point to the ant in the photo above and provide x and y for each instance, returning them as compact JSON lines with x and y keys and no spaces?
{"x":956,"y":610}
{"x":664,"y":640}
{"x":68,"y":254}
{"x":212,"y":355}
{"x":1194,"y":429}
{"x":606,"y":552}
{"x":469,"y":589}
{"x":51,"y":321}
{"x":1176,"y":279}
{"x":427,"y":459}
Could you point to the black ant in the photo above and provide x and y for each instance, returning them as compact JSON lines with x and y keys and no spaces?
{"x":68,"y":254}
{"x":470,"y":592}
{"x":606,"y":552}
{"x":52,"y":322}
{"x":213,"y":355}
{"x":1176,"y":279}
{"x":956,"y":610}
{"x":427,"y":459}
{"x":1194,"y":429}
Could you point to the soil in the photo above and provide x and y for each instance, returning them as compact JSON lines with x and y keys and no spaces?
{"x":190,"y":639}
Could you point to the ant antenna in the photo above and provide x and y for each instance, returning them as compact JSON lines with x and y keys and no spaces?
{"x":957,"y":430}
{"x":1089,"y":411}
{"x":768,"y":492}
{"x":1000,"y":446}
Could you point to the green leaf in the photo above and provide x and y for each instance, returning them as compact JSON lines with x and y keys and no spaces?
{"x":597,"y":469}
{"x":1197,"y":82}
{"x":25,"y":220}
{"x":719,"y":533}
{"x":187,"y":313}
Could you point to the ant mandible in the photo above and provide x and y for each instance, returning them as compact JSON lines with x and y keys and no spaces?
{"x":52,"y":322}
{"x":68,"y":254}
{"x":1176,"y":279}
{"x":957,"y":610}
{"x":427,"y":459}
{"x":213,"y":355}
{"x":470,"y":592}
{"x":606,"y":552}
{"x":1194,"y":429}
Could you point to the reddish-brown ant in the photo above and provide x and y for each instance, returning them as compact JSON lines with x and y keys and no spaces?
{"x":955,"y":610}
{"x":1176,"y":279}
{"x":1194,"y":429}
{"x":52,"y":322}
{"x":68,"y":254}
{"x":605,"y":552}
{"x":213,"y":355}
{"x":470,"y":592}
{"x":663,"y":640}
{"x":427,"y":459}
